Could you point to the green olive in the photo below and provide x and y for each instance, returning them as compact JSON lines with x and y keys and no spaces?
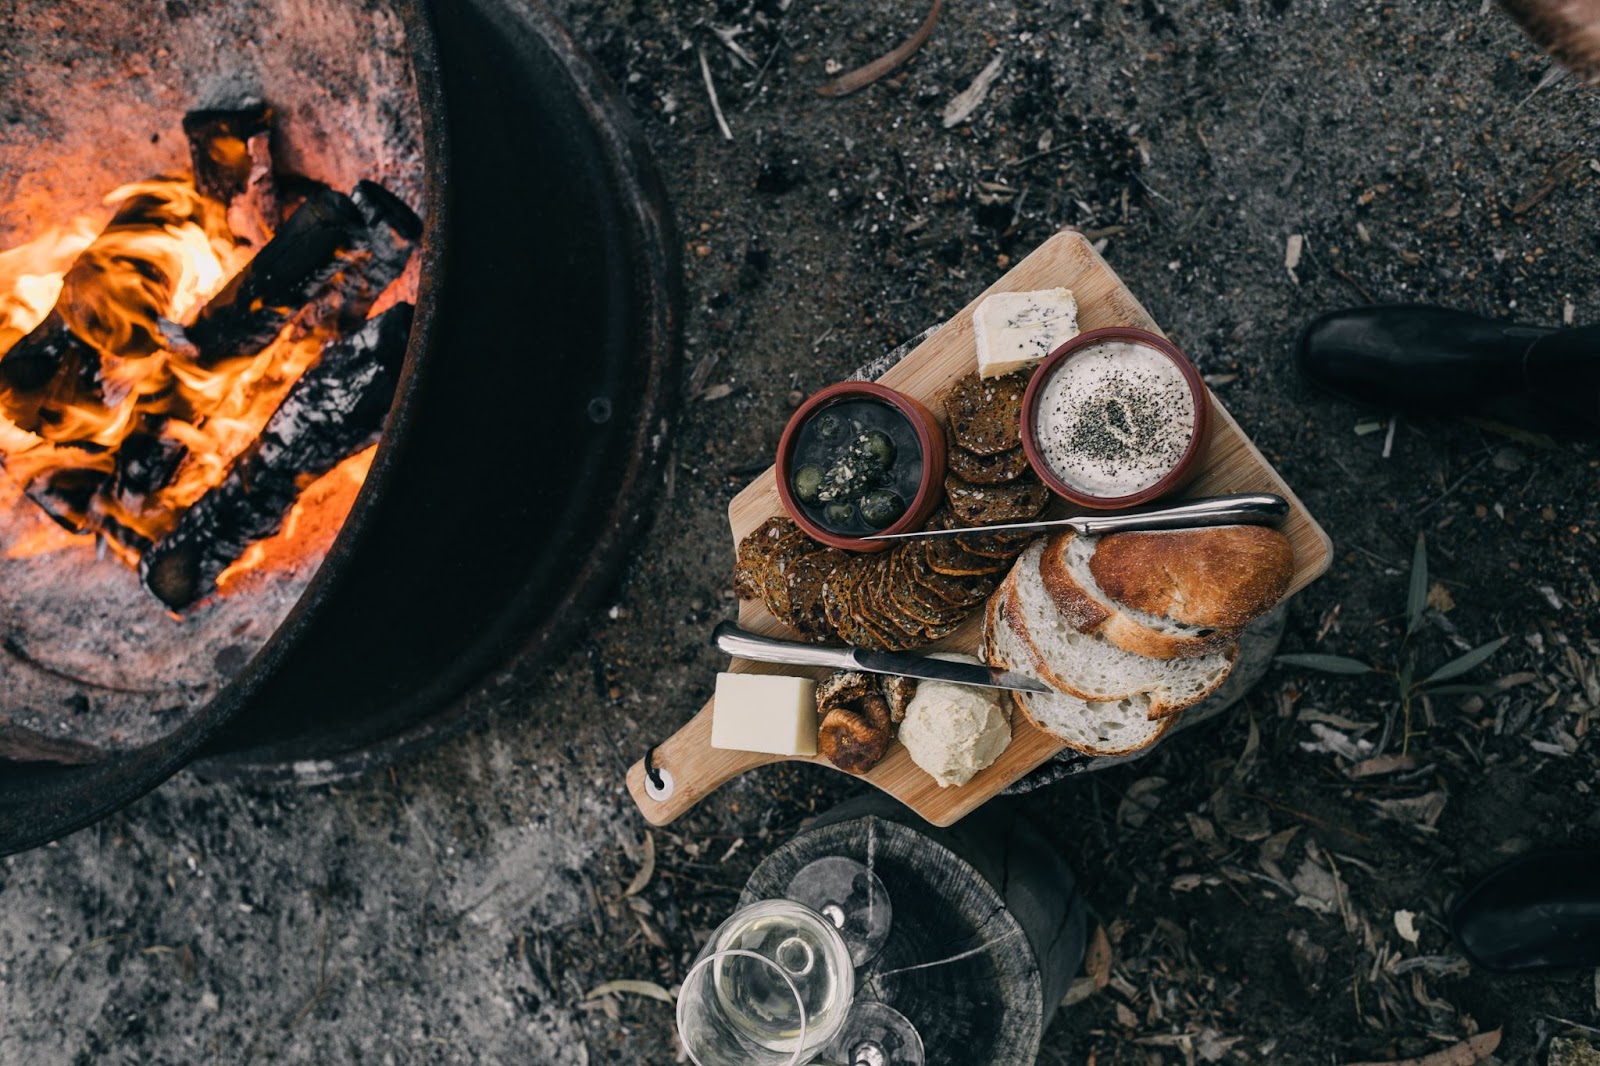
{"x":839,"y":515}
{"x":878,"y":447}
{"x":808,"y":483}
{"x":830,"y":427}
{"x":881,"y":507}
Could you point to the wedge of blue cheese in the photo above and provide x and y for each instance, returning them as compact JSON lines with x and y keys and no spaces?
{"x":765,"y":712}
{"x":1015,"y":330}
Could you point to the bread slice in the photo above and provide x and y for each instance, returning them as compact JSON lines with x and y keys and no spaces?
{"x":1064,"y":567}
{"x":1090,"y":667}
{"x":1223,"y":577}
{"x":1117,"y":727}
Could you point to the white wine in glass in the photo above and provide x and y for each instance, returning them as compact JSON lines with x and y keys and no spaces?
{"x":772,"y":986}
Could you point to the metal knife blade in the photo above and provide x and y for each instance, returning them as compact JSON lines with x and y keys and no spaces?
{"x":735,"y":641}
{"x":928,"y":669}
{"x":1256,"y":508}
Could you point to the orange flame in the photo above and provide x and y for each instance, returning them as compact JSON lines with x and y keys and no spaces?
{"x":121,"y":286}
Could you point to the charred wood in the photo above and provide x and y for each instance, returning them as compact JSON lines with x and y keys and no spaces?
{"x":67,"y":496}
{"x":104,"y":306}
{"x":335,"y":409}
{"x":44,"y":371}
{"x":231,"y":152}
{"x":324,"y":268}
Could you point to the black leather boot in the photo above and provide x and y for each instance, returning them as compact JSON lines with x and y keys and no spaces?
{"x":1433,"y":360}
{"x":1541,"y":911}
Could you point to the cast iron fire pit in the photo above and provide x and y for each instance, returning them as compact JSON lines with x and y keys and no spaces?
{"x":519,"y":457}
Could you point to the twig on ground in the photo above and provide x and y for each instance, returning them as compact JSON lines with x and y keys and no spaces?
{"x":863,"y":76}
{"x":711,"y":91}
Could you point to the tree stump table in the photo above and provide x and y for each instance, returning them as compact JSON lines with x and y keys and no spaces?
{"x":987,"y":927}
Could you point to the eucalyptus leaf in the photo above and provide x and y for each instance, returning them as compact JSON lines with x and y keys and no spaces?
{"x":1328,"y":664}
{"x":1461,"y":664}
{"x":648,"y":989}
{"x":1417,"y":598}
{"x":1464,"y":690}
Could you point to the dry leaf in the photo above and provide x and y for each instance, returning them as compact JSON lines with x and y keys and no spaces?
{"x":1081,"y":989}
{"x":647,"y":870}
{"x":1405,"y":923}
{"x":1291,"y":254}
{"x":1097,"y":960}
{"x":1126,"y":1018}
{"x":1382,"y":764}
{"x":648,"y":989}
{"x":1423,"y":810}
{"x":1142,"y":797}
{"x":968,"y":100}
{"x":1467,"y":1053}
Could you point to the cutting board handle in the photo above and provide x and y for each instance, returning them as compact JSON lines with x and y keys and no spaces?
{"x":690,"y":768}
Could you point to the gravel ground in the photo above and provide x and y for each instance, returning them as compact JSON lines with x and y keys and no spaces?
{"x":460,"y":908}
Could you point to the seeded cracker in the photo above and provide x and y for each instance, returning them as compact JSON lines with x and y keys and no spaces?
{"x":986,"y":416}
{"x":980,"y":505}
{"x":987,"y":469}
{"x":754,"y":549}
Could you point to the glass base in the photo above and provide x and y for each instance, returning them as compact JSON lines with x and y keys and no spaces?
{"x":875,"y":1034}
{"x":850,"y":896}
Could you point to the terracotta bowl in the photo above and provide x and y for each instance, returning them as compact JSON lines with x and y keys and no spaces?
{"x":930,"y":438}
{"x":1188,"y":465}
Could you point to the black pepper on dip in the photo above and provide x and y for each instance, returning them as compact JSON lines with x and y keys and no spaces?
{"x":1114,"y":418}
{"x":855,"y":461}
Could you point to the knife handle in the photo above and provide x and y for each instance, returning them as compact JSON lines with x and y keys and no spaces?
{"x":1256,"y":508}
{"x":746,"y":645}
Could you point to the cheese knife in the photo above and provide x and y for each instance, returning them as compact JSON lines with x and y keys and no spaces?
{"x":1251,"y":508}
{"x":746,"y":645}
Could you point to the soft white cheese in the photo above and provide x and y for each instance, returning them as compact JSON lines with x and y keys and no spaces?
{"x":766,"y":713}
{"x":953,"y":731}
{"x":1017,"y":329}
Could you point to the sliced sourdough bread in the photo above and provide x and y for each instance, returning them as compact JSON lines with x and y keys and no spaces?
{"x":1116,"y":727}
{"x":1064,"y":568}
{"x":1090,"y":667}
{"x":1221,"y":577}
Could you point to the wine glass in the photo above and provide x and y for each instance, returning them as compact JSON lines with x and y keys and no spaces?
{"x":850,"y":896}
{"x":772,"y":987}
{"x":875,"y":1034}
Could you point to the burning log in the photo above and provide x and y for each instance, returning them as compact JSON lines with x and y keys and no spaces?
{"x":45,"y":370}
{"x":113,"y":299}
{"x":67,"y":496}
{"x":334,"y":410}
{"x":325,"y":267}
{"x":231,"y":152}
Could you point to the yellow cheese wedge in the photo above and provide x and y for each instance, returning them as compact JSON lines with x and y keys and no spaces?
{"x":765,"y":713}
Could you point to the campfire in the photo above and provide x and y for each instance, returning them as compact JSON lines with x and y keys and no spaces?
{"x":175,"y":383}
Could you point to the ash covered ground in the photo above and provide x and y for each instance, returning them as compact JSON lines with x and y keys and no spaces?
{"x":461,"y":908}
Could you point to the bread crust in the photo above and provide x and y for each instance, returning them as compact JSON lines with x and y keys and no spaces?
{"x":1221,"y":578}
{"x":993,"y":618}
{"x":1082,"y":610}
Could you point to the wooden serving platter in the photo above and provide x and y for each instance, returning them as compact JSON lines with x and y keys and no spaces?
{"x":1231,"y":464}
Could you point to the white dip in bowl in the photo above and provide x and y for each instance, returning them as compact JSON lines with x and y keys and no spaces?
{"x":1114,"y":419}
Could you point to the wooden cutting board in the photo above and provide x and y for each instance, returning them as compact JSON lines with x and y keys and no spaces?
{"x":1231,"y":464}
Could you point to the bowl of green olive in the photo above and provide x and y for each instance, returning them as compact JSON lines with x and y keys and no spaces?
{"x":858,"y":459}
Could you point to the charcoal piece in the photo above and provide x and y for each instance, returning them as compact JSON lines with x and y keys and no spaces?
{"x":231,"y":152}
{"x":324,"y":269}
{"x":146,"y":461}
{"x":67,"y":496}
{"x":45,"y":370}
{"x":334,"y":410}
